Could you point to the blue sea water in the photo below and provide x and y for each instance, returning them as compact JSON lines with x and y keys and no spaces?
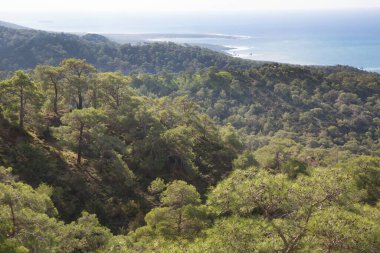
{"x":329,"y":37}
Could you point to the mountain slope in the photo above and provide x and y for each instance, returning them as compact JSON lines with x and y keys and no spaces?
{"x":139,"y":155}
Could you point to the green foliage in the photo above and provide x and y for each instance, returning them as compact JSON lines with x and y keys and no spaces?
{"x":217,"y":160}
{"x":338,"y":230}
{"x":112,"y":89}
{"x":181,"y":214}
{"x":285,"y":206}
{"x":122,"y":141}
{"x":235,"y":234}
{"x":278,"y":151}
{"x":18,"y":98}
{"x":77,"y":74}
{"x":179,"y":194}
{"x":157,"y":186}
{"x":294,"y":167}
{"x":29,"y":223}
{"x":51,"y":82}
{"x":244,"y":160}
{"x":26,"y":216}
{"x":82,"y":130}
{"x":86,"y":235}
{"x":366,"y":171}
{"x":318,"y":107}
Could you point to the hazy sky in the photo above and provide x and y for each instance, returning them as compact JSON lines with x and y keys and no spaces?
{"x":180,"y":5}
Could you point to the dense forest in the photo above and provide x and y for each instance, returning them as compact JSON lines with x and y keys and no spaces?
{"x":215,"y":155}
{"x":318,"y":107}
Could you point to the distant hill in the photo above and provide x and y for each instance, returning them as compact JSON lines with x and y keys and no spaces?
{"x":11,"y":25}
{"x":23,"y":49}
{"x":95,"y":38}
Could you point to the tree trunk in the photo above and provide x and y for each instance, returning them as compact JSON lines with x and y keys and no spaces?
{"x":13,"y":233}
{"x":179,"y":222}
{"x":55,"y":102}
{"x":22,"y":109}
{"x":80,"y":143}
{"x":80,"y":100}
{"x":94,"y":98}
{"x":117,"y":101}
{"x":278,"y":162}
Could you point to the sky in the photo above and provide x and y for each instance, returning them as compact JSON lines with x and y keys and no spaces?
{"x":179,"y":5}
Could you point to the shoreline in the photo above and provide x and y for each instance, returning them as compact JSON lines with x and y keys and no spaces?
{"x":244,"y":52}
{"x":144,"y":37}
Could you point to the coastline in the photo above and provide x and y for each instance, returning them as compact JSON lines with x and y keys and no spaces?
{"x":259,"y":50}
{"x":159,"y":37}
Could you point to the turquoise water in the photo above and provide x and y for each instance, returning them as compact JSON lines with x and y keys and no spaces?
{"x":360,"y":53}
{"x":349,"y":37}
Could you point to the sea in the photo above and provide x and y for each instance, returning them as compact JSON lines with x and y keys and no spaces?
{"x":319,"y":37}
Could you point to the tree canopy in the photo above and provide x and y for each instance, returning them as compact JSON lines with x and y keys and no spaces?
{"x":275,"y":158}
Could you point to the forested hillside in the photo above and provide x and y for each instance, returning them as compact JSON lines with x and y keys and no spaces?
{"x":24,"y":49}
{"x":318,"y":107}
{"x":90,"y":141}
{"x":275,"y":158}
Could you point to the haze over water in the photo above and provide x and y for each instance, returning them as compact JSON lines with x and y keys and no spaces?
{"x":349,"y":37}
